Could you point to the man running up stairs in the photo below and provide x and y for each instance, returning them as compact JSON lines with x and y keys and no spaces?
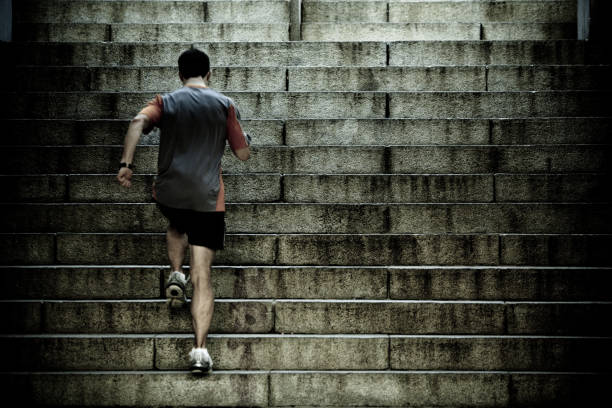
{"x":424,"y":220}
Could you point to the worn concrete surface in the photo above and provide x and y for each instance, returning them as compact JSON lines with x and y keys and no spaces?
{"x":153,"y":12}
{"x":280,"y":353}
{"x":134,"y":32}
{"x":153,"y":317}
{"x":411,"y":159}
{"x":390,"y":31}
{"x":422,"y":218}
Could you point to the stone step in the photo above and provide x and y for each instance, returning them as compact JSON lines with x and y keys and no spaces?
{"x":345,"y":11}
{"x":498,"y":52}
{"x":258,"y":105}
{"x":287,"y":218}
{"x":322,"y":316}
{"x":302,"y":79}
{"x":568,"y":130}
{"x":304,"y":53}
{"x":131,"y":32}
{"x":257,"y":32}
{"x":435,"y":31}
{"x":443,"y":12}
{"x":70,"y":11}
{"x":304,"y":388}
{"x":307,"y":352}
{"x":519,"y":78}
{"x":496,"y":104}
{"x":105,"y":188}
{"x":417,"y":159}
{"x":316,"y":249}
{"x":390,"y":31}
{"x":527,"y":31}
{"x":295,"y":53}
{"x":355,"y":282}
{"x":112,"y":131}
{"x":509,"y":11}
{"x":152,"y":79}
{"x":312,"y":188}
{"x":445,"y":188}
{"x":449,"y":78}
{"x":136,"y":316}
{"x":324,"y":105}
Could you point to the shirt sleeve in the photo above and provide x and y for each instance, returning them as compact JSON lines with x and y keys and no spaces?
{"x":154,"y":110}
{"x":235,"y":135}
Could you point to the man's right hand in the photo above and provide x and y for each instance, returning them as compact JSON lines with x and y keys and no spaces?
{"x":125,"y":176}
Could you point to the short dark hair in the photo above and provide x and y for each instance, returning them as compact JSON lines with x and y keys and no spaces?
{"x":193,"y":63}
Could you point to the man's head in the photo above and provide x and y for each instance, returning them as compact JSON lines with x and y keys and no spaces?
{"x":193,"y":63}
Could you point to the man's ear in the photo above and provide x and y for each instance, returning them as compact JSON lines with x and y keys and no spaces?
{"x":207,"y":77}
{"x":181,"y":77}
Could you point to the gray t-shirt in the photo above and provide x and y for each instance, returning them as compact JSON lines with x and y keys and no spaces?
{"x":194,"y":124}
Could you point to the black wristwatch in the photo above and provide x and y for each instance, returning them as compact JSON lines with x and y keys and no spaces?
{"x":128,"y":165}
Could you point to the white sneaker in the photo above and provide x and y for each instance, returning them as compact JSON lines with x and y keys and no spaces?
{"x":200,"y":361}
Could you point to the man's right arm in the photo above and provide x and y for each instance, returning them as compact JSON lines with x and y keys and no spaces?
{"x":143,"y":122}
{"x":236,"y":137}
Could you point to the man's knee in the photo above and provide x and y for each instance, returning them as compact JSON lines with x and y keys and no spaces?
{"x":201,"y":260}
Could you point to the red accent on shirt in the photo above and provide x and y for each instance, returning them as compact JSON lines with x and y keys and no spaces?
{"x":235,"y":136}
{"x":153,"y":110}
{"x":221,"y":196}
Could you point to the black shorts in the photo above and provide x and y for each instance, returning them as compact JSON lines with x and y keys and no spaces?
{"x":203,"y":228}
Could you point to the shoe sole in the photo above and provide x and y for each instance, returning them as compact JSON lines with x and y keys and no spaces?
{"x":201,"y":370}
{"x":175,"y":296}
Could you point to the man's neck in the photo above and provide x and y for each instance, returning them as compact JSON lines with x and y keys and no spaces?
{"x":195,"y":82}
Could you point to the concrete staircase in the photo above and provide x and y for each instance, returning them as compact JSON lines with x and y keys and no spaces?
{"x":424,"y":220}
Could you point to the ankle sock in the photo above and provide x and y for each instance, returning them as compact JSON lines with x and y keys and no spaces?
{"x":200,"y":351}
{"x":181,"y":274}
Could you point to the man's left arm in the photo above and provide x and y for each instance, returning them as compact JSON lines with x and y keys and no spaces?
{"x":239,"y":141}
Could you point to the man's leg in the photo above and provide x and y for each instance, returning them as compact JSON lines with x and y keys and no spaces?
{"x":177,"y":243}
{"x":202,"y":301}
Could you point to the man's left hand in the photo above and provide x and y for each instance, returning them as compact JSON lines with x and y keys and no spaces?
{"x":125,"y":176}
